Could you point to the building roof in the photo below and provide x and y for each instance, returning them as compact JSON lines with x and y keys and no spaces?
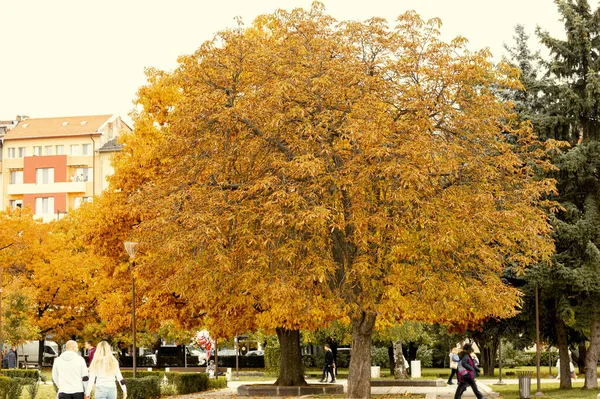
{"x":111,"y":146}
{"x":57,"y":127}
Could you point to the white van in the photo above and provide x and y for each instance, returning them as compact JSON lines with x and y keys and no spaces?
{"x":28,"y":353}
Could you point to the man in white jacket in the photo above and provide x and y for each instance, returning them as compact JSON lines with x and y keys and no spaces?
{"x":70,"y":373}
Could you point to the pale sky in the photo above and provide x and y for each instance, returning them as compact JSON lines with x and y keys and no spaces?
{"x":85,"y":57}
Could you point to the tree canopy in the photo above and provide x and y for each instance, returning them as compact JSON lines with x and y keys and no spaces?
{"x":301,"y":169}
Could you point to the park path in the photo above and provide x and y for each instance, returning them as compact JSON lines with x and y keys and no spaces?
{"x":430,"y":392}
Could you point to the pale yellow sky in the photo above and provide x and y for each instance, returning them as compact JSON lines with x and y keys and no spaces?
{"x":81,"y":57}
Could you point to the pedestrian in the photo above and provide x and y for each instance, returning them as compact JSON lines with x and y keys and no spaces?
{"x":454,"y":359}
{"x":91,"y":349}
{"x":4,"y":359}
{"x":329,"y":366}
{"x":104,"y":371}
{"x":70,"y":373}
{"x":11,"y":358}
{"x":466,"y":370}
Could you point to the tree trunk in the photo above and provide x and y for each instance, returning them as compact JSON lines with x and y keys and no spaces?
{"x":563,"y":355}
{"x":40,"y":358}
{"x":488,"y":357}
{"x":591,"y":359}
{"x":400,"y":372}
{"x":392,"y":359}
{"x":291,"y":370}
{"x":359,"y":375}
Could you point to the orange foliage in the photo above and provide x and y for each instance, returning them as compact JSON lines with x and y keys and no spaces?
{"x":301,"y":169}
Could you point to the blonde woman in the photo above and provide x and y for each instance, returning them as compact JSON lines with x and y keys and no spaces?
{"x":104,"y":371}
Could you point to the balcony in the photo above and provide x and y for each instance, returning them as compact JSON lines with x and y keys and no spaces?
{"x":62,"y":187}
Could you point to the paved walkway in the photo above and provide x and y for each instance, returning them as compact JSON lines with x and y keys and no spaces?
{"x":429,"y":392}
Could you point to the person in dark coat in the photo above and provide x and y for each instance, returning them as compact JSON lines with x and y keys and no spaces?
{"x":466,"y":373}
{"x":329,"y":366}
{"x":11,"y":358}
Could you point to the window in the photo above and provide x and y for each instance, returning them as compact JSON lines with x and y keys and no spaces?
{"x":48,"y":150}
{"x":16,"y":204}
{"x":12,"y":152}
{"x":37,"y":151}
{"x":60,"y":149}
{"x":86,"y":149}
{"x":16,"y":177}
{"x":75,"y":149}
{"x":44,"y":176}
{"x":22,"y":152}
{"x":81,"y":200}
{"x":83,"y":174}
{"x":44,"y":205}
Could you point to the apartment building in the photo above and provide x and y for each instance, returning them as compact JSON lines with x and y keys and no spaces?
{"x":53,"y":165}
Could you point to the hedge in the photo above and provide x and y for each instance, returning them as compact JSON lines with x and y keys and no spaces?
{"x":140,"y":388}
{"x":217,"y":383}
{"x":22,"y":373}
{"x":12,"y":387}
{"x":142,"y":373}
{"x":190,"y":382}
{"x":272,"y":358}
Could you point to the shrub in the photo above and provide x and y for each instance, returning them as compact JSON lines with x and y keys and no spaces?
{"x":425,"y":355}
{"x":342,"y":359}
{"x":308,"y":361}
{"x":12,"y":387}
{"x":22,"y":373}
{"x":33,"y":388}
{"x":217,"y":383}
{"x":379,"y":357}
{"x":141,"y":374}
{"x":141,"y":388}
{"x":190,"y":382}
{"x":272,"y":354}
{"x":167,"y":390}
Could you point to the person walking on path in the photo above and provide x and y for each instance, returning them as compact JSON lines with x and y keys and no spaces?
{"x":70,"y":373}
{"x":89,"y":346}
{"x":329,"y":366}
{"x":466,"y":373}
{"x":11,"y":358}
{"x":104,"y":371}
{"x":454,"y":359}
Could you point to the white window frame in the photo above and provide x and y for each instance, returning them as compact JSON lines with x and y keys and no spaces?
{"x":60,"y":149}
{"x":37,"y":151}
{"x":44,"y":176}
{"x":11,"y":153}
{"x":16,"y":204}
{"x":16,"y":177}
{"x":48,"y":150}
{"x":75,"y":150}
{"x":44,"y":205}
{"x":22,"y":152}
{"x":86,"y":149}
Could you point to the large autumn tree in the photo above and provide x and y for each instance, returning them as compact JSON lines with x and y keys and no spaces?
{"x":301,"y":169}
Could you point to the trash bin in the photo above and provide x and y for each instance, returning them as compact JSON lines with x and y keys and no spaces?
{"x":375,"y":371}
{"x":524,"y":384}
{"x":415,"y":369}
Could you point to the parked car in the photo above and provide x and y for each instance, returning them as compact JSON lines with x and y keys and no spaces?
{"x":255,"y":353}
{"x":28,"y":353}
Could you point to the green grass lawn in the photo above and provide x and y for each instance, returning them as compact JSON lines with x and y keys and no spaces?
{"x":549,"y":390}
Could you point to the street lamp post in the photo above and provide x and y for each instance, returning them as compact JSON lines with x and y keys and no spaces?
{"x":537,"y":341}
{"x":131,"y":247}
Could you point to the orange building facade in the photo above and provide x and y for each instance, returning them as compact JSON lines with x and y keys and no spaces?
{"x":53,"y":165}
